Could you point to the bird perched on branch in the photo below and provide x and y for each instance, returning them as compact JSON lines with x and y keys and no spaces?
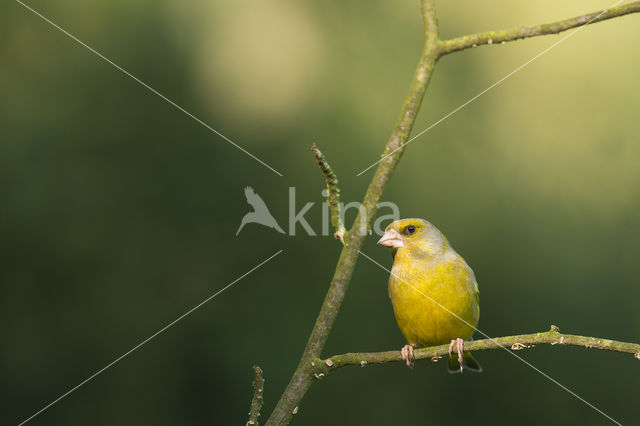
{"x":434,"y":292}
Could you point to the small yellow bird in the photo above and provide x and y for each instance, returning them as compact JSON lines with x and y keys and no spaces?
{"x":434,"y":292}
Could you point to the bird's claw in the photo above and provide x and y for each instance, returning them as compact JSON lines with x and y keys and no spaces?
{"x":407,"y":355}
{"x":459,"y":348}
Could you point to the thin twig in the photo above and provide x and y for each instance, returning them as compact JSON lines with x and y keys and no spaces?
{"x":518,"y":342}
{"x":258,"y":391}
{"x":503,"y":36}
{"x":333,"y":194}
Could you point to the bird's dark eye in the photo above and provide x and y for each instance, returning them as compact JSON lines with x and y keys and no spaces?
{"x":411,"y":229}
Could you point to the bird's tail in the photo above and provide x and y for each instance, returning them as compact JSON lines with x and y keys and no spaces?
{"x":468,"y":363}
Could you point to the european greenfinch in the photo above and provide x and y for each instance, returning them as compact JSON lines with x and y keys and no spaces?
{"x":434,"y":292}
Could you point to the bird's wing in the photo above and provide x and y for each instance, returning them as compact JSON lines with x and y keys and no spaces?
{"x":254,"y":200}
{"x":474,"y":285}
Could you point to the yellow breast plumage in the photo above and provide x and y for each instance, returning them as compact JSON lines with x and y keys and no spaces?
{"x":426,"y":295}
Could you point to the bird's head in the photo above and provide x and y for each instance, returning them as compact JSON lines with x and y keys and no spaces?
{"x":419,"y":237}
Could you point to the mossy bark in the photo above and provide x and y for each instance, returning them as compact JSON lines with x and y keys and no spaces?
{"x":311,"y":366}
{"x":518,"y":342}
{"x":512,"y":34}
{"x":303,"y":376}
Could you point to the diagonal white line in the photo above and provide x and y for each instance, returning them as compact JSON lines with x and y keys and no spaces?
{"x":150,"y":88}
{"x":498,"y":344}
{"x":149,"y":338}
{"x":492,"y":86}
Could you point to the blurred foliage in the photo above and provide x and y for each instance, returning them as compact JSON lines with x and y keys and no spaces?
{"x":119,"y":212}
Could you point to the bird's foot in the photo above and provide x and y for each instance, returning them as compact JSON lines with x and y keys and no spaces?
{"x":459,"y":348}
{"x":407,"y":355}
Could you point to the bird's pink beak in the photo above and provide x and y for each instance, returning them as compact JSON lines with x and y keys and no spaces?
{"x":392,"y":239}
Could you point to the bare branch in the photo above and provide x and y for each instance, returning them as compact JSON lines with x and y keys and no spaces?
{"x":310,"y":365}
{"x":301,"y":379}
{"x":333,"y":194}
{"x":522,"y":341}
{"x":256,"y":402}
{"x":502,"y":36}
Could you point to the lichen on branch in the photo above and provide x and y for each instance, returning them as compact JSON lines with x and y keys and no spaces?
{"x":258,"y":399}
{"x":512,"y":34}
{"x":310,"y":365}
{"x":333,"y":194}
{"x":301,"y":380}
{"x":518,"y":342}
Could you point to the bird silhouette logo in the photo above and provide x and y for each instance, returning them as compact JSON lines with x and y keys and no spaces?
{"x":260,"y":213}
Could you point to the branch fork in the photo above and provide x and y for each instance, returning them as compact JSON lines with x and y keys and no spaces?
{"x":311,"y":366}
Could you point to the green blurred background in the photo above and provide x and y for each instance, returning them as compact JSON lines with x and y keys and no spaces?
{"x":119,"y":212}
